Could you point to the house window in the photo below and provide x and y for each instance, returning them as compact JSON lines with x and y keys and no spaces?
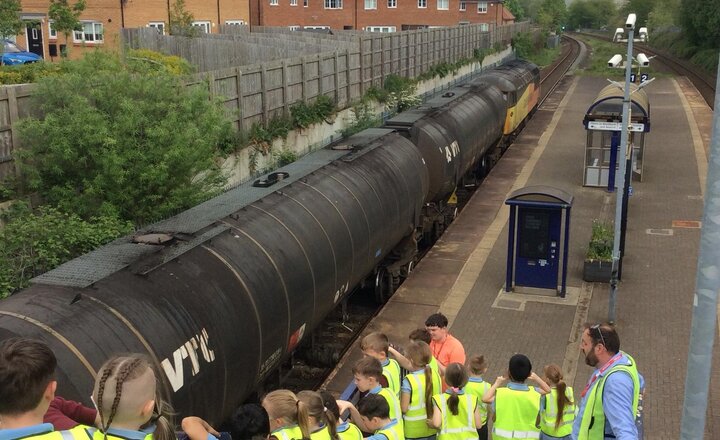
{"x":484,"y":27}
{"x":392,"y":3}
{"x":294,"y":28}
{"x":51,"y":30}
{"x":463,"y":6}
{"x":305,"y":3}
{"x":235,"y":22}
{"x":203,"y":25}
{"x":293,"y":2}
{"x":317,"y":27}
{"x":159,"y":26}
{"x":370,"y":4}
{"x":92,"y":32}
{"x":443,"y":4}
{"x":422,"y":3}
{"x":380,"y":28}
{"x":273,"y":2}
{"x":482,"y":7}
{"x":332,"y":4}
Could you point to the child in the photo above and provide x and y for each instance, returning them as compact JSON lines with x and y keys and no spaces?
{"x":517,"y":406}
{"x":367,"y":372}
{"x":288,"y":416}
{"x":345,"y":430}
{"x":375,"y":413}
{"x":419,"y":335}
{"x":376,"y":345}
{"x":250,"y":421}
{"x":456,"y":412}
{"x":478,"y":387}
{"x":416,"y":393}
{"x":557,"y":409}
{"x":322,"y":427}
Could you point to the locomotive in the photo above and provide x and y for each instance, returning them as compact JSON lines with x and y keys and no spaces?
{"x":219,"y":295}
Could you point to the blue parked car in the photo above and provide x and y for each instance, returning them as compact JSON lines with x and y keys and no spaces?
{"x":12,"y":55}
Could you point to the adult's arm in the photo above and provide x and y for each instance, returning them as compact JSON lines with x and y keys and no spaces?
{"x":617,"y":405}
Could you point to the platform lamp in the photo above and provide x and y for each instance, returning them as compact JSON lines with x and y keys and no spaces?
{"x":622,"y":178}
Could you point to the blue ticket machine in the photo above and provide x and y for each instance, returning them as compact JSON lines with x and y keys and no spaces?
{"x":537,"y":246}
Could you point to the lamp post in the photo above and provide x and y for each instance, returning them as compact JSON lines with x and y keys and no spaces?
{"x":622,"y":181}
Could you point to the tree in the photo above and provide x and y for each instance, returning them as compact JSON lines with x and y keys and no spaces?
{"x":701,"y":21}
{"x":516,"y":9}
{"x":665,"y":13}
{"x":181,"y":21}
{"x":552,"y":15}
{"x":592,"y":14}
{"x":10,"y":22}
{"x":123,"y":141}
{"x":641,"y":8}
{"x":66,"y":18}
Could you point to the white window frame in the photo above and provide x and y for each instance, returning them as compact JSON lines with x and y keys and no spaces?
{"x":316,"y":27}
{"x":293,"y":2}
{"x":305,"y":3}
{"x":445,"y":5}
{"x":333,"y":4}
{"x":158,"y":26}
{"x":274,"y":2}
{"x":235,"y":23}
{"x":392,"y":4}
{"x":52,"y":33}
{"x":295,"y":27}
{"x":463,"y":5}
{"x":383,"y":29}
{"x":203,"y":25}
{"x":484,"y":27}
{"x":79,"y":36}
{"x":482,"y":7}
{"x":370,"y":4}
{"x":422,"y":4}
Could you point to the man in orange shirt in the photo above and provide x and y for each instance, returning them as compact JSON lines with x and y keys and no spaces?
{"x":444,"y":346}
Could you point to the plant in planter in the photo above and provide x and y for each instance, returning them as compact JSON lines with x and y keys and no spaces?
{"x":598,"y":261}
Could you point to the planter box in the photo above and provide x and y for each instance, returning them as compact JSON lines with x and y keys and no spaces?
{"x":597,"y":271}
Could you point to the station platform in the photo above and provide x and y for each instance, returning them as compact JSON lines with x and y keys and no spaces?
{"x":464,"y":274}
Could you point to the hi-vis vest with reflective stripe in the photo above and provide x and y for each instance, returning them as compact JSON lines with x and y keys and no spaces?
{"x":287,"y":433}
{"x":437,"y":381}
{"x":394,"y":432}
{"x":549,"y":414}
{"x":321,"y":434}
{"x":460,"y":426}
{"x":76,"y":433}
{"x":348,"y":431}
{"x":98,"y":435}
{"x":516,"y":413}
{"x":416,"y":416}
{"x":394,"y":404}
{"x":391,"y":371}
{"x":592,"y":425}
{"x":478,"y":390}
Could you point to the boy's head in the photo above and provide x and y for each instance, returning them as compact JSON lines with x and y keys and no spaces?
{"x":437,"y":324}
{"x":367,"y":372}
{"x":477,"y":365}
{"x":375,"y":345}
{"x":374,"y":411}
{"x":248,"y":422}
{"x":125,"y":391}
{"x":27,"y":376}
{"x":420,"y":334}
{"x":519,"y":368}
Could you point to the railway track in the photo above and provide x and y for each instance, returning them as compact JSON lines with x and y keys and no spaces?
{"x":703,"y":82}
{"x":314,"y":360}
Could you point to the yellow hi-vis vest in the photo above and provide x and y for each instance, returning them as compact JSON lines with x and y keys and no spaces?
{"x":391,"y":371}
{"x":415,"y":419}
{"x":348,"y":431}
{"x":592,"y":424}
{"x":478,"y":389}
{"x":549,"y":414}
{"x":516,"y":413}
{"x":98,"y":435}
{"x":393,"y":431}
{"x":437,"y":381}
{"x":322,"y":433}
{"x":460,"y":426}
{"x":292,"y":432}
{"x":394,"y":404}
{"x":76,"y":433}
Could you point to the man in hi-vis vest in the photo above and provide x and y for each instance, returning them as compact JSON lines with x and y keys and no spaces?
{"x":609,"y":402}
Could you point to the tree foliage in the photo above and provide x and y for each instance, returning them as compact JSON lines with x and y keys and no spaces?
{"x":122,"y":140}
{"x":664,"y":14}
{"x":66,"y":18}
{"x":516,"y":9}
{"x":552,"y":15}
{"x":701,"y":21}
{"x":592,"y":14}
{"x":33,"y":243}
{"x":641,"y":8}
{"x":10,"y":22}
{"x":181,"y":21}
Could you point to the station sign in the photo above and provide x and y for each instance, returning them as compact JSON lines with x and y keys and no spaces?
{"x":643,"y":77}
{"x":614,"y":126}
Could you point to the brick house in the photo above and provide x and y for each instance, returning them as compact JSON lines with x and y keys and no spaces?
{"x":377,"y":15}
{"x":103,"y":19}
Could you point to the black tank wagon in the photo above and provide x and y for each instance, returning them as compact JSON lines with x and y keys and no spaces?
{"x":220,"y":294}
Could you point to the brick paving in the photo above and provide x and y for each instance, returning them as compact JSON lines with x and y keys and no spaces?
{"x":655,"y":296}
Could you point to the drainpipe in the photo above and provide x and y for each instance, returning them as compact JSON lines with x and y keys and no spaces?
{"x":168,"y":26}
{"x":218,"y":9}
{"x":122,"y":14}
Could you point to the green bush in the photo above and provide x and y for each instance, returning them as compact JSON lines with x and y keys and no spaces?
{"x":304,"y":115}
{"x":363,"y":118}
{"x":144,"y":59}
{"x":522,"y":44}
{"x":601,"y":241}
{"x":285,"y":157}
{"x":28,"y":73}
{"x":32,"y":243}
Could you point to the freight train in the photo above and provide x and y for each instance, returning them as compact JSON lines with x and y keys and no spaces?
{"x":219,"y":295}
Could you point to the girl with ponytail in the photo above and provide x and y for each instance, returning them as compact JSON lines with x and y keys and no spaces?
{"x":557,"y":409}
{"x":457,"y":413}
{"x":416,"y":393}
{"x":322,"y":427}
{"x":289,"y":418}
{"x":345,"y":430}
